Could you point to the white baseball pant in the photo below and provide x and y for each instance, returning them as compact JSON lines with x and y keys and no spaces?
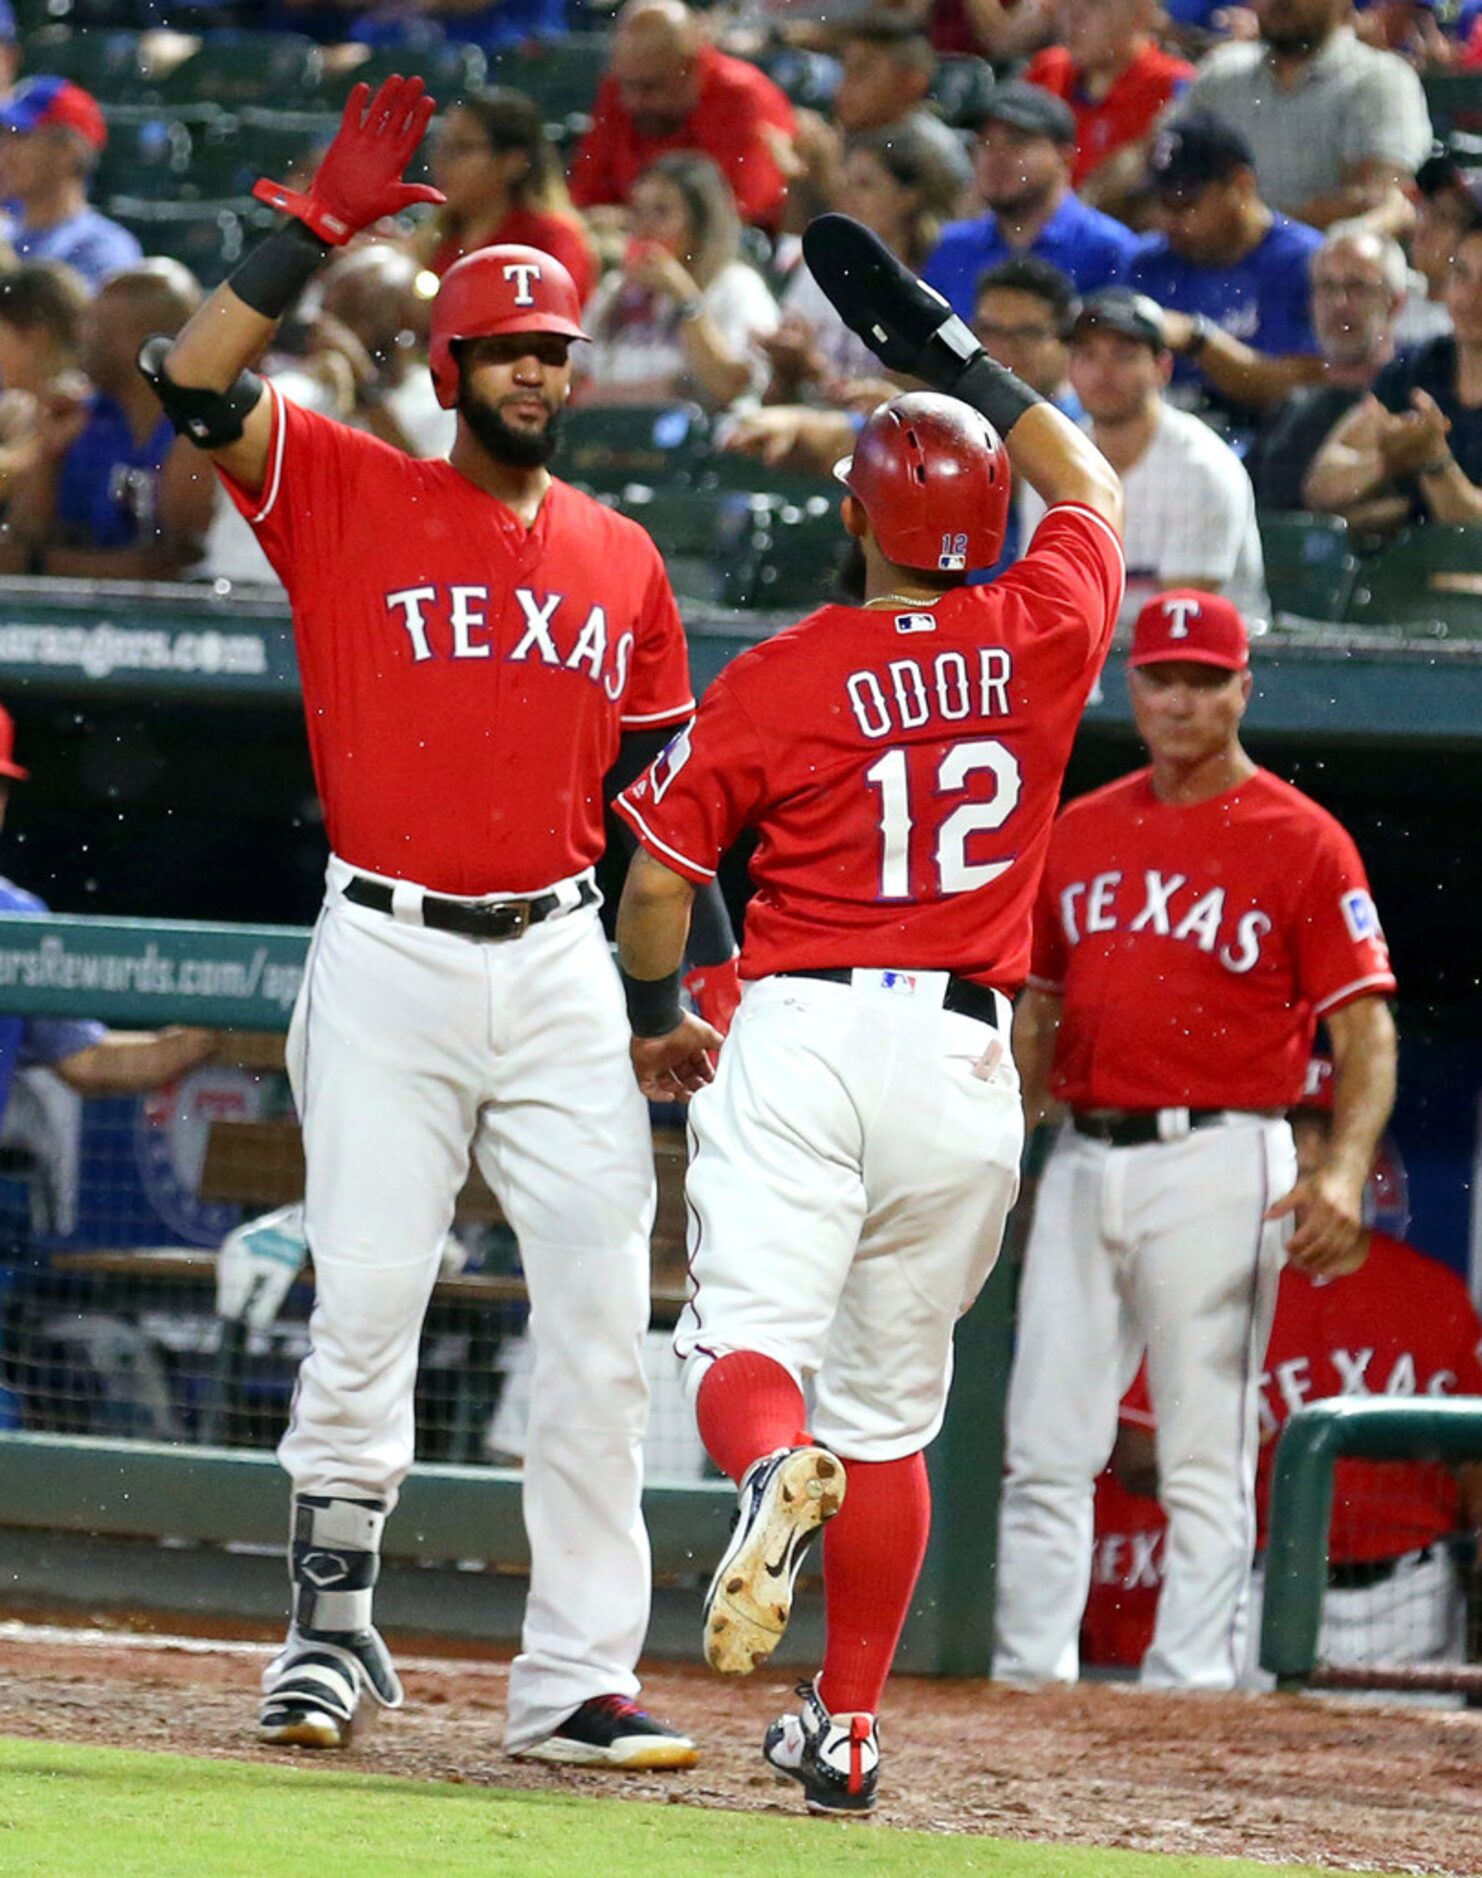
{"x":1163,"y":1247}
{"x":409,"y":1047}
{"x":851,"y":1169}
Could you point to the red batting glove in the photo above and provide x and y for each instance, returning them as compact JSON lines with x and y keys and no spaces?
{"x":359,"y":179}
{"x":715,"y":991}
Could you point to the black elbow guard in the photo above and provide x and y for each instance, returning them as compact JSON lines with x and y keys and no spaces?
{"x":211,"y":419}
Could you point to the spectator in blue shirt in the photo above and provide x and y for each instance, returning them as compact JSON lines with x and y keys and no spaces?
{"x":117,"y":495}
{"x":1233,"y":273}
{"x":51,"y":135}
{"x":88,"y":1057}
{"x":1022,"y":163}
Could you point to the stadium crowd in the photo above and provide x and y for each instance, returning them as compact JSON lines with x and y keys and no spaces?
{"x":1249,"y":262}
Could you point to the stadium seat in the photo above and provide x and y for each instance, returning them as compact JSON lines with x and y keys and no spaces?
{"x":605,"y":447}
{"x":1431,"y":576}
{"x":150,"y":155}
{"x":959,"y":90}
{"x":448,"y":68}
{"x":778,"y":555}
{"x":209,"y":237}
{"x":1310,"y":565}
{"x":1454,"y":100}
{"x":235,"y":69}
{"x":106,"y":64}
{"x":561,"y":75}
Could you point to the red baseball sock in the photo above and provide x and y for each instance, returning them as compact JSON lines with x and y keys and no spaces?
{"x":872,"y":1553}
{"x":748,"y":1406}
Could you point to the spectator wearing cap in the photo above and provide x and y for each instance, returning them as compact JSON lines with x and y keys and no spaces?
{"x":1230,"y":273}
{"x":51,"y":135}
{"x":1190,"y":513}
{"x":1118,"y":81}
{"x":1358,"y":288}
{"x":117,"y":495}
{"x":1448,"y":199}
{"x":1023,"y":162}
{"x":1338,"y":128}
{"x":666,"y":90}
{"x":1412,"y":451}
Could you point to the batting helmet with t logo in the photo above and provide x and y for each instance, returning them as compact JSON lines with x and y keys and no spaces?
{"x":498,"y":290}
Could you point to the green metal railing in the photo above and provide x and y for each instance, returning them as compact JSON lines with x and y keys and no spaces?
{"x":1316,"y":1437}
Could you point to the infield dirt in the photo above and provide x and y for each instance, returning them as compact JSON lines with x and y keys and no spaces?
{"x":1344,"y":1783}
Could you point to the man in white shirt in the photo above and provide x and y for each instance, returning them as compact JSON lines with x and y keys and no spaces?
{"x":1190,"y":511}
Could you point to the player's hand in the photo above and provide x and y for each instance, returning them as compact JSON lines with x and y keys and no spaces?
{"x":359,"y":179}
{"x":906,"y":324}
{"x":791,"y":434}
{"x":1329,"y":1238}
{"x":672,"y":1067}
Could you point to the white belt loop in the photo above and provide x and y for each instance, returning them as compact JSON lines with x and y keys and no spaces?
{"x":406,"y":902}
{"x":1173,"y":1124}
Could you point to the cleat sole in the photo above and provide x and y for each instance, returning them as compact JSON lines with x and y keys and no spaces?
{"x":749,"y":1611}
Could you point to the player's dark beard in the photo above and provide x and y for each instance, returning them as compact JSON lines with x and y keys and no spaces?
{"x":520,"y":449}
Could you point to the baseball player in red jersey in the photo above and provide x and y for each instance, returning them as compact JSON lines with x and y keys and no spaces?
{"x":1402,"y":1324}
{"x":1194,"y":922}
{"x":858,"y":1150}
{"x":1128,"y":1536}
{"x":476,"y":640}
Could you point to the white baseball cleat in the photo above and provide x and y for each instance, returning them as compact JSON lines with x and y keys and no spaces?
{"x":835,"y":1759}
{"x":311,"y":1689}
{"x":784,"y":1499}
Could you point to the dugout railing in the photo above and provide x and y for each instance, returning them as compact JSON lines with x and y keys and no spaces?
{"x":187,"y":1492}
{"x":1315,"y":1438}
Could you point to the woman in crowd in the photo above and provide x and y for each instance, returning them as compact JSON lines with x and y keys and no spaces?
{"x":493,"y":161}
{"x":897,"y":184}
{"x":684,"y":314}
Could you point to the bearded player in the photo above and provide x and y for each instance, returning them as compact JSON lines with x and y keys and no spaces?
{"x":475,"y":641}
{"x":854,"y":1159}
{"x":1196,"y":919}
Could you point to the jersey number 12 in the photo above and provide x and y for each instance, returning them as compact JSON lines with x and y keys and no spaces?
{"x":960,"y":763}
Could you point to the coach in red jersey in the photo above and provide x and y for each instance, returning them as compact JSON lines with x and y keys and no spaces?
{"x":854,"y":1159}
{"x":479,"y":644}
{"x":1194,"y":922}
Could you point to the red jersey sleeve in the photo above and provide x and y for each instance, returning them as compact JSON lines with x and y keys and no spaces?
{"x":1072,"y":577}
{"x":1340,"y":948}
{"x":702,"y":789}
{"x":1048,"y":958}
{"x":659,"y":690}
{"x":315,"y":478}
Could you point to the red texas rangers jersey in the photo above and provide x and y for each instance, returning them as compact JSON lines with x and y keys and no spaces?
{"x":1401,"y":1325}
{"x":465,"y":679}
{"x":1127,"y":1556}
{"x":901,"y":768}
{"x":1196,"y":947}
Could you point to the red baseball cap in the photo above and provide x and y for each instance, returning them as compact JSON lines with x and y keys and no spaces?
{"x":8,"y":764}
{"x":54,"y":104}
{"x":1184,"y":623}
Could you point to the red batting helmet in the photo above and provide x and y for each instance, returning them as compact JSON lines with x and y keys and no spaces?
{"x":933,"y":478}
{"x":508,"y":289}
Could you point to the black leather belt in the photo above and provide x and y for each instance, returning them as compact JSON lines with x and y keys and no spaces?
{"x":476,"y":919}
{"x":1360,"y":1574}
{"x":1134,"y":1128}
{"x":961,"y":995}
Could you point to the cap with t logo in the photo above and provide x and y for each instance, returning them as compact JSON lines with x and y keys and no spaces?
{"x":1204,"y":628}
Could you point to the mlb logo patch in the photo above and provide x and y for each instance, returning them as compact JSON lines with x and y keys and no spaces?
{"x":915,"y":623}
{"x":903,"y":982}
{"x":1360,"y":916}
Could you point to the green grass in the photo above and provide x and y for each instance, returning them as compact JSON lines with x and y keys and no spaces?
{"x":78,"y":1812}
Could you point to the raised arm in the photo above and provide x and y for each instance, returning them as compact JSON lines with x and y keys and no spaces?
{"x":911,"y":329}
{"x":202,"y":378}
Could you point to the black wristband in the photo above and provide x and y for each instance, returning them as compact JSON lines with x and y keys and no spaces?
{"x":993,"y":390}
{"x":278,"y":269}
{"x":653,"y":1004}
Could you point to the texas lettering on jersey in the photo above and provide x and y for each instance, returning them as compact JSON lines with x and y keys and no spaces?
{"x":1168,"y":904}
{"x":453,"y":622}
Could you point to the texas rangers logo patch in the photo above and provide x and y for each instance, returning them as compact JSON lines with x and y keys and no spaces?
{"x":1360,"y":916}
